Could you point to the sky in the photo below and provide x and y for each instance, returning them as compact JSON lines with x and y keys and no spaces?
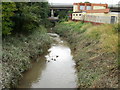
{"x":92,"y":1}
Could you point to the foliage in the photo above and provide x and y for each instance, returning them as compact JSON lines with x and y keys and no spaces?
{"x":25,"y":22}
{"x":18,"y":51}
{"x":106,"y":34}
{"x":30,"y":15}
{"x":86,"y":2}
{"x":24,"y":17}
{"x":44,"y":11}
{"x":7,"y":13}
{"x":63,"y":14}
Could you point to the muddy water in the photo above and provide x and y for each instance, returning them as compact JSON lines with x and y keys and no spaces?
{"x":54,"y":70}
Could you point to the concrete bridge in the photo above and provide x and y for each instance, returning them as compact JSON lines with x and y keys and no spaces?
{"x":114,"y":8}
{"x":61,"y":6}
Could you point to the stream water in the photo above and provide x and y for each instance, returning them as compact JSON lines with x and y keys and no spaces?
{"x":54,"y":70}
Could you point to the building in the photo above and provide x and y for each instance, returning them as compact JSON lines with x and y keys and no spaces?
{"x":90,"y":8}
{"x":95,"y":13}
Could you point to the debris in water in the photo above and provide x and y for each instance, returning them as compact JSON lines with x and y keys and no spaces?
{"x":74,"y":49}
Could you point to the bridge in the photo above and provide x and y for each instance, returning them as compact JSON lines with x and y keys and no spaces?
{"x":61,"y":6}
{"x":114,"y":8}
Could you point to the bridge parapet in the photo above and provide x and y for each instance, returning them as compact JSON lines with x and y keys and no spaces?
{"x":61,"y":6}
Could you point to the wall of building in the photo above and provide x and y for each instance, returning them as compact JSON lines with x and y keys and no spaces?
{"x":88,"y":6}
{"x":94,"y":17}
{"x":78,"y":16}
{"x":99,"y":7}
{"x":75,"y":8}
{"x":98,"y":13}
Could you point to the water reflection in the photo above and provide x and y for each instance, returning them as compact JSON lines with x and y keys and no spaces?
{"x":56,"y":70}
{"x":59,"y":72}
{"x":32,"y":75}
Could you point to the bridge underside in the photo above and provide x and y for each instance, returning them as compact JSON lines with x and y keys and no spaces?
{"x":115,"y":9}
{"x":61,"y":8}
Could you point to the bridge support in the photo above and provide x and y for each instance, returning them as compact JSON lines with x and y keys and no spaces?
{"x":53,"y":18}
{"x":52,"y":13}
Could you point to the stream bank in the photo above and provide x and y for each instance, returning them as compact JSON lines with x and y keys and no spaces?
{"x":56,"y":69}
{"x":95,"y":50}
{"x":18,"y":53}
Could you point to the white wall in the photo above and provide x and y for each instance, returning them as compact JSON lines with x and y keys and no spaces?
{"x":75,"y":8}
{"x":99,"y":7}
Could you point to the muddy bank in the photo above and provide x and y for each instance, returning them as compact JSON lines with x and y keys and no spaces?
{"x":95,"y":53}
{"x":18,"y":53}
{"x":56,"y":69}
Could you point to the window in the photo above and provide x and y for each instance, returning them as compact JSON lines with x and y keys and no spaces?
{"x":82,"y":7}
{"x":76,"y":14}
{"x":79,"y":14}
{"x":112,"y":19}
{"x":88,"y":7}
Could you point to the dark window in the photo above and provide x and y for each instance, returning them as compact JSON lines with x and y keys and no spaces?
{"x":76,"y":14}
{"x":79,"y":14}
{"x":112,"y":19}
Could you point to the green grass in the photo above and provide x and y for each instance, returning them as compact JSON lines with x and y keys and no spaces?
{"x":95,"y":50}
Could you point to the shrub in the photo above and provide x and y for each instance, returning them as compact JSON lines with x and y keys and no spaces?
{"x":8,"y":9}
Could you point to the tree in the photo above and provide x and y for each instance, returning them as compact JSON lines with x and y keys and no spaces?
{"x":24,"y":17}
{"x":86,"y":2}
{"x":8,"y":9}
{"x":63,"y":14}
{"x":30,"y":15}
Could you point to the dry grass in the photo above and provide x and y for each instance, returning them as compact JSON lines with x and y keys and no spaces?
{"x":107,"y":35}
{"x":95,"y":52}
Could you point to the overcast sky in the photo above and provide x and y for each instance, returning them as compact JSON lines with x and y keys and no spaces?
{"x":92,"y":1}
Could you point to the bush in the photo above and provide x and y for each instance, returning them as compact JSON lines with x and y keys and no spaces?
{"x":8,"y":9}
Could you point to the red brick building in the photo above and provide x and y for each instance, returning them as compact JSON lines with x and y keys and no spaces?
{"x":90,"y":8}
